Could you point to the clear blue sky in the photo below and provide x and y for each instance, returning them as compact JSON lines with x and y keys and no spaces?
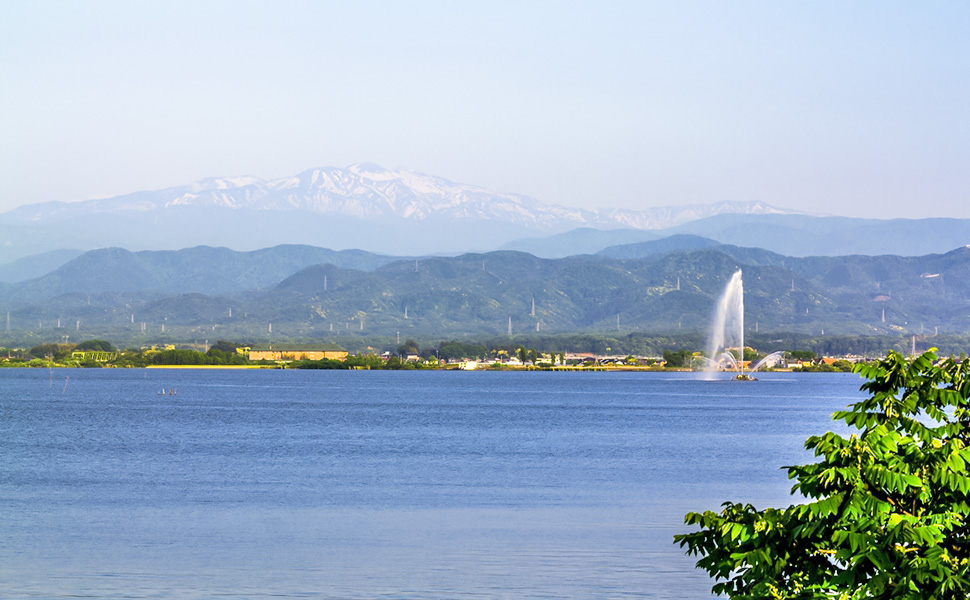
{"x":852,"y":108}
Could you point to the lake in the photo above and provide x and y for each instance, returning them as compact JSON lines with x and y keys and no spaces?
{"x":383,"y":484}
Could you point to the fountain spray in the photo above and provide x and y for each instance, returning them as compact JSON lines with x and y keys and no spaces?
{"x":728,"y":326}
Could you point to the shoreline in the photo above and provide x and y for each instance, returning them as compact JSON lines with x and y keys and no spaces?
{"x":623,"y":369}
{"x":234,"y":367}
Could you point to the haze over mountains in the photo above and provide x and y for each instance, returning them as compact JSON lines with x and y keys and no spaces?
{"x":363,"y":206}
{"x":368,"y":191}
{"x":144,"y":265}
{"x":788,"y":234}
{"x":302,"y":292}
{"x":407,"y":213}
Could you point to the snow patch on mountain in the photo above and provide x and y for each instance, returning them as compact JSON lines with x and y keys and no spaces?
{"x":369,"y":191}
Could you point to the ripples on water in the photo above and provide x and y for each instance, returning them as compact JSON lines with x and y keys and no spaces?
{"x":330,"y":484}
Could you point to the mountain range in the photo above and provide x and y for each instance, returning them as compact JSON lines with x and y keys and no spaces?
{"x":368,"y":191}
{"x":788,"y":234}
{"x":363,"y":206}
{"x":405,"y":213}
{"x":251,"y":259}
{"x":303,"y":292}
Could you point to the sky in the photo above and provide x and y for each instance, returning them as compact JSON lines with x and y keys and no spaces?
{"x":827,"y":107}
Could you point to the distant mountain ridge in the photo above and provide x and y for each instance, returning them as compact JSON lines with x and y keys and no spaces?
{"x":788,"y":234}
{"x":369,"y":191}
{"x":300,"y":292}
{"x":362,"y":206}
{"x":38,"y":265}
{"x":202,"y":269}
{"x":407,"y":213}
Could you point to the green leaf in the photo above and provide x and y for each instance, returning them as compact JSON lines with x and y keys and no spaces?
{"x":888,"y":507}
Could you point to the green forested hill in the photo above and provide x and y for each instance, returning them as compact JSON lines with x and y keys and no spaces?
{"x":201,"y":269}
{"x":222,"y":293}
{"x":788,"y":234}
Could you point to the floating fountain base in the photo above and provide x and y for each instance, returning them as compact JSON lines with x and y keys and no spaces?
{"x":744,"y":377}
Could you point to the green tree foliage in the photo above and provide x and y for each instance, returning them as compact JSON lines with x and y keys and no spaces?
{"x":365,"y":361}
{"x":132,"y":358}
{"x":179,"y":357}
{"x":55,"y":351}
{"x":886,"y":509}
{"x":677,"y":358}
{"x":457,"y":350}
{"x":192,"y":357}
{"x":323,"y":363}
{"x":843,"y":366}
{"x":395,"y":363}
{"x":408,"y":347}
{"x":226,"y":346}
{"x":217,"y":356}
{"x":357,"y":361}
{"x":96,"y":346}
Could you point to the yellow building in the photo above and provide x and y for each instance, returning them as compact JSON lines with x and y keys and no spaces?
{"x":93,"y":355}
{"x":297,"y":352}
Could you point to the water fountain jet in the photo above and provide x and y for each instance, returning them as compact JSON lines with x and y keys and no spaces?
{"x":772,"y":358}
{"x":727,"y":331}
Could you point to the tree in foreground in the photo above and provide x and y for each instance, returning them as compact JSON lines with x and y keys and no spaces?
{"x":885,"y":512}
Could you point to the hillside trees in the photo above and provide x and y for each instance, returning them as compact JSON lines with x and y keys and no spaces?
{"x":52,"y":351}
{"x":193,"y":357}
{"x":96,"y":345}
{"x":408,"y":347}
{"x":226,"y":346}
{"x":801,"y":355}
{"x":886,"y":508}
{"x":454,"y":350}
{"x":677,"y":358}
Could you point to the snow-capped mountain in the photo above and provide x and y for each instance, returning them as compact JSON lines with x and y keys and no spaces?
{"x":368,"y":191}
{"x":361,"y":206}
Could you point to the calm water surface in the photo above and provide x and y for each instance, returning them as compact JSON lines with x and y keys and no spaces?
{"x":337,"y":484}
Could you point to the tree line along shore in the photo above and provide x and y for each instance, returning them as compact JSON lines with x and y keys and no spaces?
{"x":407,"y":355}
